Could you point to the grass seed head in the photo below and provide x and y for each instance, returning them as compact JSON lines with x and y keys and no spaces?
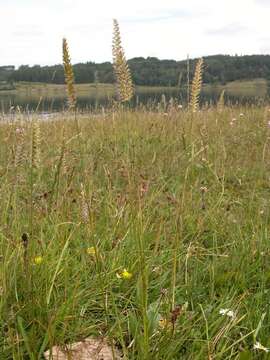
{"x":196,"y":86}
{"x":69,"y":76}
{"x":124,"y":85}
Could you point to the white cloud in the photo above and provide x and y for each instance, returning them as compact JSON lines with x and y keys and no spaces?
{"x":263,"y":2}
{"x":32,"y":30}
{"x":228,"y":30}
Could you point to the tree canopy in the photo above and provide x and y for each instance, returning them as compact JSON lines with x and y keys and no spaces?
{"x":154,"y":72}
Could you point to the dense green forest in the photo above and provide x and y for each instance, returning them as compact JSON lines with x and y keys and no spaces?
{"x":154,"y":72}
{"x":6,"y":71}
{"x":5,"y":77}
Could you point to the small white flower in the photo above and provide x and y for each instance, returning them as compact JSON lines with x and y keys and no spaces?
{"x":228,"y":312}
{"x":258,"y":346}
{"x":203,"y":189}
{"x":241,"y":114}
{"x":19,"y":131}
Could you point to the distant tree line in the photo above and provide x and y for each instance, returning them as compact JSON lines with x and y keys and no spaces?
{"x":6,"y":72}
{"x":154,"y":72}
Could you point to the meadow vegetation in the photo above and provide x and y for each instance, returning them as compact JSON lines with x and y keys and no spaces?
{"x":178,"y":199}
{"x":146,"y":228}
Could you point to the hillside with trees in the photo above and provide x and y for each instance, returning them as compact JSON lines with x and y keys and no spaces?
{"x":154,"y":72}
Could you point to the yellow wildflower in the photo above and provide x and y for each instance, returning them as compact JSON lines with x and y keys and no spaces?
{"x":126,"y":275}
{"x":38,"y":260}
{"x":91,"y":250}
{"x":164,"y":323}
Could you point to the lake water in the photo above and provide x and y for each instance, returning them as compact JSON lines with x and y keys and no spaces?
{"x":150,"y":98}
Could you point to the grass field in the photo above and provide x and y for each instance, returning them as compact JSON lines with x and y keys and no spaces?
{"x":256,"y":87}
{"x":43,"y":89}
{"x":149,"y":229}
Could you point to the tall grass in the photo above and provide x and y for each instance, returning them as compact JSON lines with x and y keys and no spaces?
{"x":69,"y":76}
{"x":196,"y":86}
{"x":124,"y":86}
{"x":136,"y":227}
{"x":183,"y":210}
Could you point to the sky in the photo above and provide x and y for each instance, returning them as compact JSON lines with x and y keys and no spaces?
{"x":32,"y":30}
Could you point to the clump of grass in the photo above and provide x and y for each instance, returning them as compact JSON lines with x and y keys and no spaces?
{"x":69,"y":76}
{"x":196,"y":86}
{"x":124,"y":86}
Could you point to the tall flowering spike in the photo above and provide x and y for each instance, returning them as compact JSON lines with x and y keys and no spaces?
{"x":196,"y":86}
{"x":20,"y":146}
{"x":220,"y":103}
{"x":36,"y":141}
{"x":69,"y":76}
{"x":124,"y":85}
{"x":84,"y":206}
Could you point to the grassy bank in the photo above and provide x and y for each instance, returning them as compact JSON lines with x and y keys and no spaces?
{"x":149,"y":229}
{"x":256,"y":87}
{"x":81,"y":89}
